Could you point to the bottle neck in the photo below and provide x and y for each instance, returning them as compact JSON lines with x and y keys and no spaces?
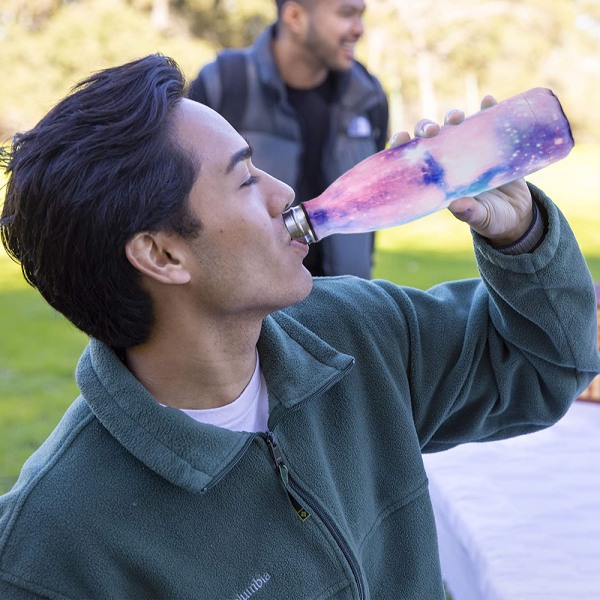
{"x":297,"y":224}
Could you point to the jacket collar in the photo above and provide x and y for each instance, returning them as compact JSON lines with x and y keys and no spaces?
{"x":296,"y":363}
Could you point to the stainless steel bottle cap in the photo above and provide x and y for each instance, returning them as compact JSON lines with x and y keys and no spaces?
{"x":297,"y":224}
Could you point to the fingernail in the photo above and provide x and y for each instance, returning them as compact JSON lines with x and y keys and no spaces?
{"x":427,"y":127}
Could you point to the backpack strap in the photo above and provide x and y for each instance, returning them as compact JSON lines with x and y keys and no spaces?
{"x":232,"y":72}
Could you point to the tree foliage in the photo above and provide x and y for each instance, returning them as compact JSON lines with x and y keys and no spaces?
{"x":47,"y":52}
{"x":228,"y":23}
{"x":431,"y":55}
{"x":435,"y":54}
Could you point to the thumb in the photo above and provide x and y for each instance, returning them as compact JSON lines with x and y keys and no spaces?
{"x":470,"y":211}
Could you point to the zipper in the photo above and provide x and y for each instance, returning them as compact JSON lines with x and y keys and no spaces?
{"x":284,"y":474}
{"x":241,"y":453}
{"x":303,"y":512}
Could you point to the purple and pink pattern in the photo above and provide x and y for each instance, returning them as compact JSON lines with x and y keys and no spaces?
{"x":510,"y":140}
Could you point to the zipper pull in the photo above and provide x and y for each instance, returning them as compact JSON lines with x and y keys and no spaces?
{"x":283,"y":473}
{"x":275,"y":450}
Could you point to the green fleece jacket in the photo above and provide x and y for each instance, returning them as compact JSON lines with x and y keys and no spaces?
{"x":128,"y":499}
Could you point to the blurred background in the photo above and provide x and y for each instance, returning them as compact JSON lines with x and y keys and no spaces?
{"x":430,"y":55}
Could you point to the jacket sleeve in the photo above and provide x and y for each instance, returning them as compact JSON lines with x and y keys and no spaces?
{"x":14,"y":592}
{"x":504,"y":355}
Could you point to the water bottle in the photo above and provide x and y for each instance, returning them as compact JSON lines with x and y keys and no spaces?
{"x":493,"y":147}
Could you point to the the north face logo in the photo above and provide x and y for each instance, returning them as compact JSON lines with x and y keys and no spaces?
{"x":359,"y":127}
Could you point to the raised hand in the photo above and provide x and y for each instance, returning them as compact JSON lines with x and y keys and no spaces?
{"x":503,"y":214}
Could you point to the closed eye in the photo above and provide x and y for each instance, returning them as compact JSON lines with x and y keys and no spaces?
{"x":250,"y":181}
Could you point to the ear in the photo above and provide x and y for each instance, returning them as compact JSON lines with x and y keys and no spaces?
{"x":294,"y":16}
{"x":159,"y":256}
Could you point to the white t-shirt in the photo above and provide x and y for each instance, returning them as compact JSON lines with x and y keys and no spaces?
{"x":249,"y":412}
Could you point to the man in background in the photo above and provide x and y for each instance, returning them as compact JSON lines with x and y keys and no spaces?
{"x":308,"y":108}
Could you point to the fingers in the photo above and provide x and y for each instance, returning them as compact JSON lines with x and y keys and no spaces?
{"x":429,"y":128}
{"x":488,"y":101}
{"x":399,"y":138}
{"x":468,"y":210}
{"x":502,"y":215}
{"x":454,"y":117}
{"x":426,"y":128}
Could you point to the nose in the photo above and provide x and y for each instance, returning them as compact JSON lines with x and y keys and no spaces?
{"x":358,"y":26}
{"x":291,"y":199}
{"x":280,"y":196}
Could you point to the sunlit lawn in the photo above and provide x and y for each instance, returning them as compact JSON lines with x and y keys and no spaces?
{"x":39,"y":350}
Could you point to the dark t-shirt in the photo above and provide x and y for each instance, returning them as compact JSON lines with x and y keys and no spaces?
{"x":312,"y":107}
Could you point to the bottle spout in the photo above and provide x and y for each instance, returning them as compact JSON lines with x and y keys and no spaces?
{"x":297,"y":225}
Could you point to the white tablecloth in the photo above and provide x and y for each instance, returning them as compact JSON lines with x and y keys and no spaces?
{"x":519,"y":519}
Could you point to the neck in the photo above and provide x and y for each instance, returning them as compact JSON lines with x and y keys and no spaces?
{"x":297,"y":67}
{"x":201,"y":367}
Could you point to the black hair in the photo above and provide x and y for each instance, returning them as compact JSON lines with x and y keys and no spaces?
{"x":102,"y":165}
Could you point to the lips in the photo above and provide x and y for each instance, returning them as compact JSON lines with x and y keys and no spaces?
{"x":294,"y":242}
{"x":348,"y":49}
{"x":302,"y":246}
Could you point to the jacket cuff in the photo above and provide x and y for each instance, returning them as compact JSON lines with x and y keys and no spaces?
{"x":531,"y":239}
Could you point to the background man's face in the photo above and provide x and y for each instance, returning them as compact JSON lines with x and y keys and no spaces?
{"x":334,"y":28}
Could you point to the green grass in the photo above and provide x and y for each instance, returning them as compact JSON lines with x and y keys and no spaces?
{"x":38,"y":353}
{"x":39,"y":349}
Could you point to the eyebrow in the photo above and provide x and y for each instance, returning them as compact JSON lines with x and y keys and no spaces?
{"x":237,"y":157}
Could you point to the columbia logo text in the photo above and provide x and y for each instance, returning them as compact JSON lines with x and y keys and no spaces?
{"x":255,"y":586}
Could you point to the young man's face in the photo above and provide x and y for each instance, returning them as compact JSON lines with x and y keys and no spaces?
{"x":333,"y":29}
{"x":243,"y":260}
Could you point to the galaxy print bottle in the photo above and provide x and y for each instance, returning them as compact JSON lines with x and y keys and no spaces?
{"x":497,"y":145}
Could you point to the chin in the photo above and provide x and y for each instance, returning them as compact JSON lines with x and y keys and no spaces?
{"x":303,"y":287}
{"x":342,"y":66}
